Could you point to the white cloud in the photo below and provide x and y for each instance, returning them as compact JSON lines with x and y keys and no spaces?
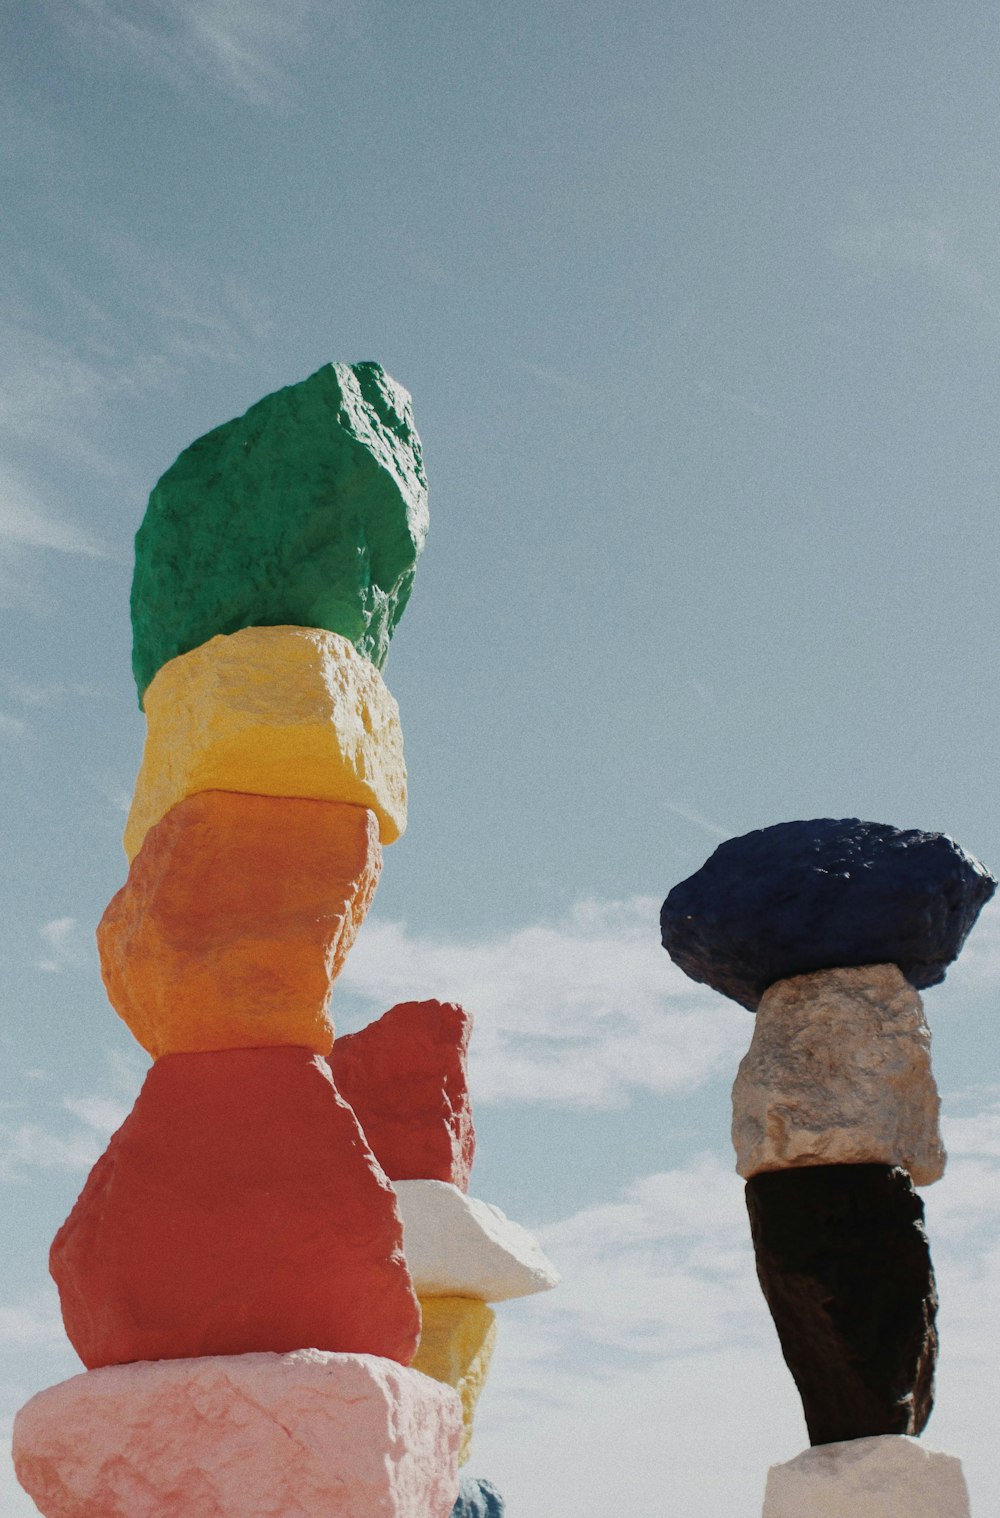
{"x":101,"y":1114}
{"x":243,"y":47}
{"x":29,"y":1146}
{"x":12,"y":727}
{"x":929,"y":245}
{"x":652,"y":1379}
{"x":60,"y":937}
{"x":26,"y":524}
{"x":581,"y":1012}
{"x":33,"y":1323}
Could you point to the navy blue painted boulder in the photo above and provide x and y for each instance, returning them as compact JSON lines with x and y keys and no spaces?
{"x":804,"y":896}
{"x":477,"y":1499}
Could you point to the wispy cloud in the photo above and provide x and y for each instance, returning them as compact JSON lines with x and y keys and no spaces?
{"x":582,"y":1011}
{"x":25,"y":523}
{"x":12,"y":727}
{"x":62,"y":945}
{"x":26,"y":1147}
{"x":31,"y":1324}
{"x":243,"y":47}
{"x":72,"y":1132}
{"x":930,"y":245}
{"x":696,"y":818}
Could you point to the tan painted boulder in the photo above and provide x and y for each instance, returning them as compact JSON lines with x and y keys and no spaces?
{"x":237,"y":1210}
{"x":838,"y":1073}
{"x":457,"y":1337}
{"x":237,"y":915}
{"x":277,"y":711}
{"x":251,"y":1436}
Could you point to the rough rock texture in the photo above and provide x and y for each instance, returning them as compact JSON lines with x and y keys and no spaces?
{"x":308,"y":510}
{"x":237,"y":915}
{"x":804,"y":896}
{"x":843,"y":1261}
{"x":457,"y":1337}
{"x":254,"y":1436}
{"x":839,"y":1072}
{"x":276,"y":711}
{"x":405,"y":1076}
{"x":237,"y":1209}
{"x":477,"y":1499}
{"x":457,"y":1246}
{"x":886,"y":1477}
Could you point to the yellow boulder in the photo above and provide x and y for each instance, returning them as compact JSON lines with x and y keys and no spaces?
{"x":456,"y":1343}
{"x":273,"y":711}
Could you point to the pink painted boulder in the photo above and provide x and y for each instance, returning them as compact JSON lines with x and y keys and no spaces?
{"x":237,"y":1209}
{"x":254,"y":1436}
{"x":405,"y":1076}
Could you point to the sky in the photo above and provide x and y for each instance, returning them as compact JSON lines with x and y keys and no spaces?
{"x":699,"y":305}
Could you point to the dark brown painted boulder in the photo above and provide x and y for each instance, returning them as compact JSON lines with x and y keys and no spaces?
{"x":843,"y":1260}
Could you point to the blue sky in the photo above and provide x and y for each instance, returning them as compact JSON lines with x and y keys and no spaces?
{"x":700,"y":309}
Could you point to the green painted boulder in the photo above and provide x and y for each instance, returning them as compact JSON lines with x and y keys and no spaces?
{"x":308,"y":511}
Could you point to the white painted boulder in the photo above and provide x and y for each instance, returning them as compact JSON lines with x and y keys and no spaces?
{"x":838,"y":1073}
{"x":890,"y":1476}
{"x":457,"y":1246}
{"x":316,"y":1434}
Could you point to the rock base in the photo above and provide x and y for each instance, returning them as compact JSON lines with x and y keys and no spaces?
{"x":249,"y":1436}
{"x":886,"y":1477}
{"x":477,"y":1499}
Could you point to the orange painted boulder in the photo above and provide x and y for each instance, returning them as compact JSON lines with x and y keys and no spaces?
{"x":237,"y":1209}
{"x":237,"y":914}
{"x":405,"y":1076}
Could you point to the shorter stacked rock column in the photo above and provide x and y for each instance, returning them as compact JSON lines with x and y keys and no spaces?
{"x":826,"y":929}
{"x":405,"y":1077}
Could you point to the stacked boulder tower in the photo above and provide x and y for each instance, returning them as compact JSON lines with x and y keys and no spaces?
{"x":274,"y":1275}
{"x":827,"y":930}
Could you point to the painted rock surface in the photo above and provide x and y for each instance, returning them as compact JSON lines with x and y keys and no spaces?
{"x":309,"y":510}
{"x":251,"y":1436}
{"x":838,"y":1072}
{"x":405,"y":1076}
{"x":804,"y":896}
{"x":886,"y":1477}
{"x":844,"y":1264}
{"x":237,"y":1209}
{"x":477,"y":1499}
{"x":275,"y":711}
{"x":457,"y":1337}
{"x":457,"y":1246}
{"x":237,"y":915}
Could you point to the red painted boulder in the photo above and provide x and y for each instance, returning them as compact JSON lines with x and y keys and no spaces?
{"x":405,"y":1076}
{"x":237,"y":1209}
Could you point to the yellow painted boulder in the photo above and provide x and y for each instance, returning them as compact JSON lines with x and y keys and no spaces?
{"x":456,"y":1344}
{"x":237,"y":914}
{"x":274,"y":711}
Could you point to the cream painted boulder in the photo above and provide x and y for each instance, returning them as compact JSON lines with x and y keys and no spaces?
{"x":275,"y":711}
{"x":886,"y":1477}
{"x":838,"y":1073}
{"x":457,"y":1246}
{"x":313,"y":1434}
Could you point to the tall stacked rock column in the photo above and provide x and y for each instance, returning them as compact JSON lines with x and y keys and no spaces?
{"x":827,"y":930}
{"x":233,"y":1273}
